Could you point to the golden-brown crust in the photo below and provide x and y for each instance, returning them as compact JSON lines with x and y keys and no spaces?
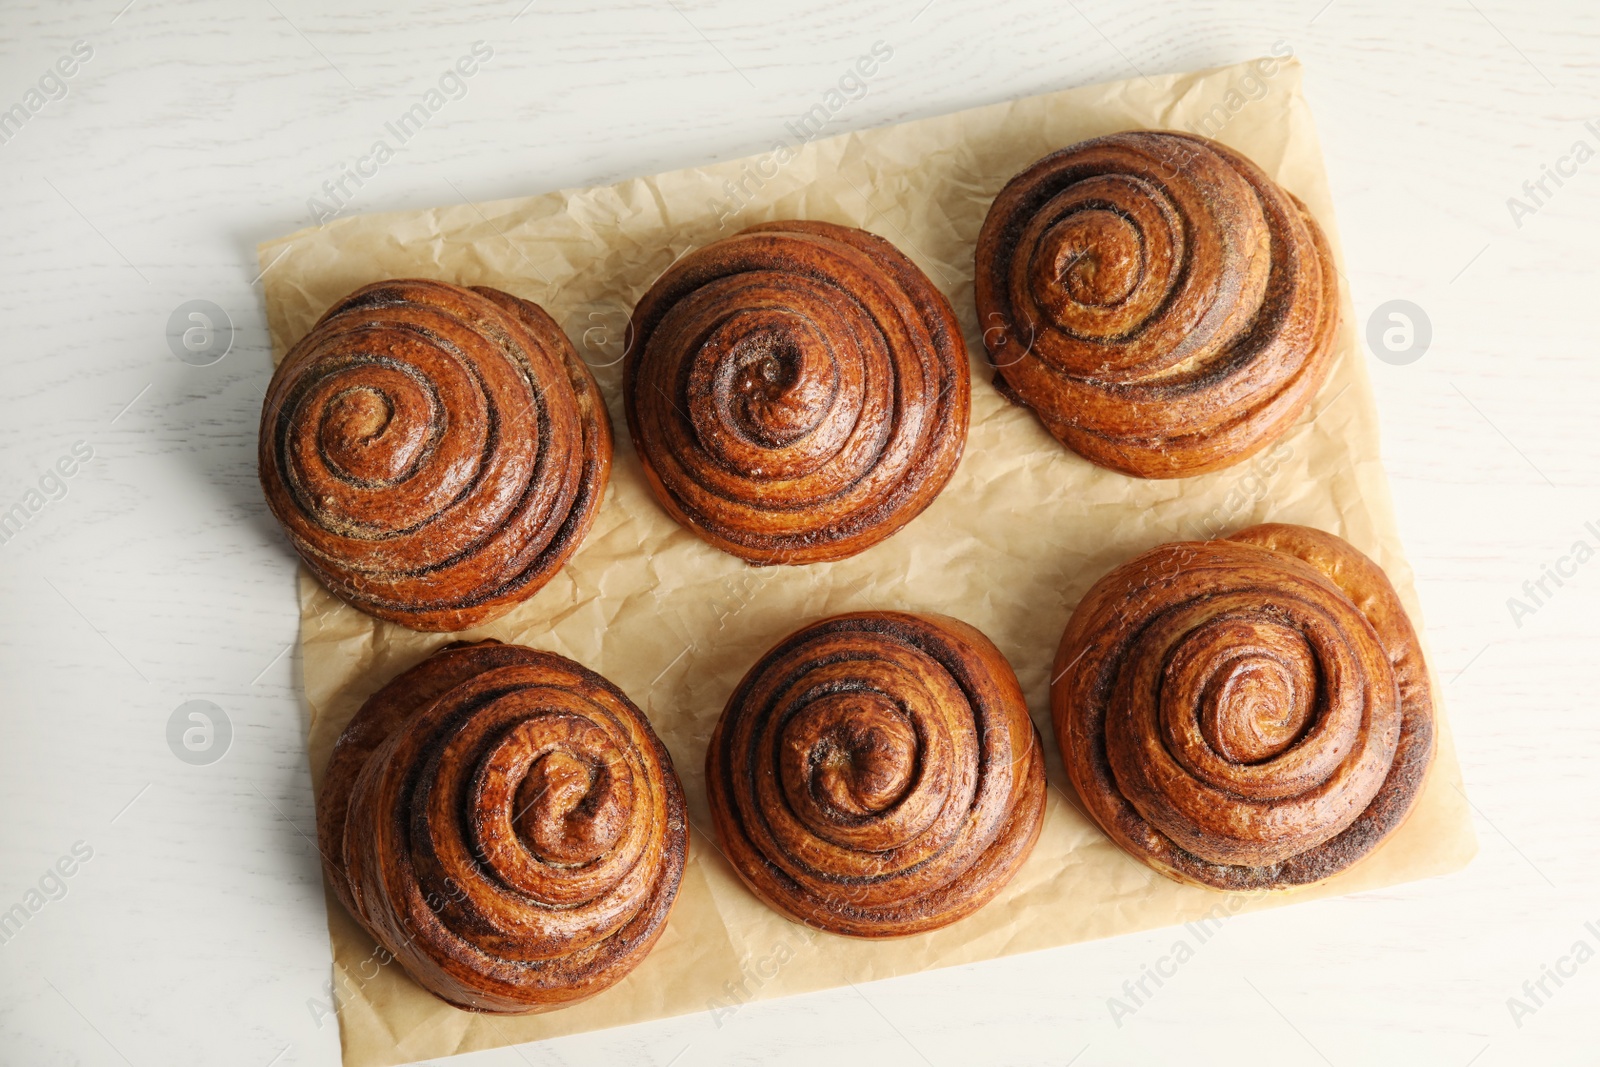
{"x":434,"y":453}
{"x":1248,"y":713}
{"x":877,"y":775}
{"x":796,"y":392}
{"x":507,"y":825}
{"x":1162,"y":305}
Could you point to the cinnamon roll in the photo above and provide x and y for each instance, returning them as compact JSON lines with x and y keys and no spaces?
{"x":507,"y":825}
{"x":877,"y":775}
{"x":1247,"y":713}
{"x":434,"y":453}
{"x":1162,"y":305}
{"x":797,"y":392}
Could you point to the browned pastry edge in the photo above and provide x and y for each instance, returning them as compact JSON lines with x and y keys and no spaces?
{"x":981,"y":866}
{"x":1078,"y":710}
{"x":1185,"y":415}
{"x":434,"y":598}
{"x":733,"y":508}
{"x":512,"y":988}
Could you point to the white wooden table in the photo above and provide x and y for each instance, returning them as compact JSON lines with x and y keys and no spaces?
{"x":151,"y":575}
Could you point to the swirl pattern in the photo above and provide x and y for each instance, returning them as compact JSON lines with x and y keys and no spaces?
{"x":434,"y":453}
{"x":877,"y":774}
{"x":1160,"y":302}
{"x":1248,"y":713}
{"x":796,"y":392}
{"x":507,"y":825}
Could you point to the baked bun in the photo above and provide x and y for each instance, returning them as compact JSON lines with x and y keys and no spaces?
{"x":1248,"y":713}
{"x":1162,"y":305}
{"x":877,"y":774}
{"x":434,"y":453}
{"x":796,"y":392}
{"x":507,"y":825}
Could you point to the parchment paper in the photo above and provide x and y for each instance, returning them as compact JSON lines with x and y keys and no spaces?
{"x":1020,"y":533}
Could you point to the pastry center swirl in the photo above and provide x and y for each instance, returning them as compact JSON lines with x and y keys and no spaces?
{"x":849,"y":760}
{"x":854,"y":752}
{"x":1253,"y":687}
{"x":374,"y":432}
{"x":1096,"y":255}
{"x":773,"y":379}
{"x":552,"y":791}
{"x":567,"y":809}
{"x":1106,"y":256}
{"x":1248,"y":712}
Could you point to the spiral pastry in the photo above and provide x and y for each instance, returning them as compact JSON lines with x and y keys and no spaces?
{"x":877,"y":774}
{"x":1162,"y":305}
{"x":1249,"y":713}
{"x":434,"y":453}
{"x":507,"y":825}
{"x":797,"y":392}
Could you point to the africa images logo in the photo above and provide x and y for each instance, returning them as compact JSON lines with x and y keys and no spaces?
{"x":52,"y":85}
{"x":1537,"y":592}
{"x":450,"y":85}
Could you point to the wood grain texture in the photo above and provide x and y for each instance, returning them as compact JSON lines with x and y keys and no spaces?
{"x":199,"y":127}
